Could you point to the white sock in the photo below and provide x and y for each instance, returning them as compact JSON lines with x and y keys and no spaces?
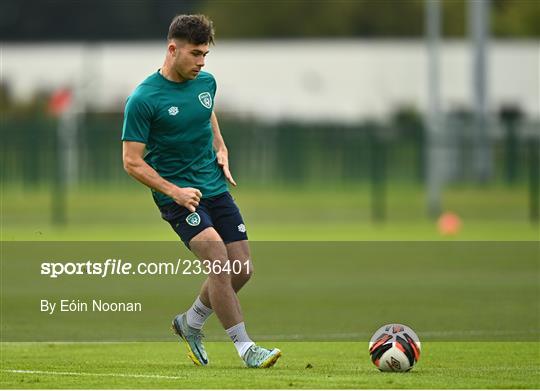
{"x":241,"y":340}
{"x":197,"y":314}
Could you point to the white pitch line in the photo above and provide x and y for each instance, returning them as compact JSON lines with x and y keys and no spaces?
{"x":94,"y":374}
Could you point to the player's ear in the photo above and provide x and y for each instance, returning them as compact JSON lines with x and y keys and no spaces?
{"x":171,"y":48}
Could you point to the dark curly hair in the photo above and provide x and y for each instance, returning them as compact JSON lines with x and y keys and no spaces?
{"x":196,"y":29}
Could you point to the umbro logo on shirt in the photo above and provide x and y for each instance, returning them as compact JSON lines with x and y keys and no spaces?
{"x":173,"y":110}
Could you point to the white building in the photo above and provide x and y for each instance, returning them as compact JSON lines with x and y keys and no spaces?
{"x":309,"y":79}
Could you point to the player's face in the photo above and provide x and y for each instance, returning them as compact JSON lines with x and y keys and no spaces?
{"x":189,"y":59}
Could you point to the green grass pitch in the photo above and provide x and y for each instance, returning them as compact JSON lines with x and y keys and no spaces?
{"x":273,"y":213}
{"x":306,"y":365}
{"x":128,"y":214}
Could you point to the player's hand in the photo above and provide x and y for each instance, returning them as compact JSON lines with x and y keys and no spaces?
{"x":188,"y":197}
{"x":223,"y":162}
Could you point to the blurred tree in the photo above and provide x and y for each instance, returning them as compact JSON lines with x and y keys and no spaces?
{"x":80,"y":20}
{"x":317,"y":18}
{"x":85,"y":20}
{"x":361,"y":18}
{"x":454,"y":18}
{"x":515,"y":18}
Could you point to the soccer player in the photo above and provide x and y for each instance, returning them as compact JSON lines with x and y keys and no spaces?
{"x":170,"y":115}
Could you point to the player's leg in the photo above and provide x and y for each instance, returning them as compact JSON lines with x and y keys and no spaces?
{"x":222,"y":298}
{"x":256,"y":356}
{"x":188,"y":324}
{"x":239,"y":251}
{"x":236,"y":251}
{"x":201,"y":309}
{"x":229,"y":224}
{"x":207,"y":245}
{"x":252,"y":354}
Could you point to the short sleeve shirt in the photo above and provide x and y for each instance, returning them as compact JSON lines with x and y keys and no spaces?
{"x":173,"y":121}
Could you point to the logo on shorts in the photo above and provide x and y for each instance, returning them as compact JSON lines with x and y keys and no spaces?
{"x":205,"y":99}
{"x":242,"y":228}
{"x":193,"y":219}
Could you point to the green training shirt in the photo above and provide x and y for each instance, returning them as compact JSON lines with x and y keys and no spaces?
{"x":173,"y":120}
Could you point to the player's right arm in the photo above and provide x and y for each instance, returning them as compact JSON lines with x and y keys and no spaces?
{"x":135,"y":166}
{"x":138,"y":116}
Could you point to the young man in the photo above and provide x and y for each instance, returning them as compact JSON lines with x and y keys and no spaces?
{"x":170,"y":114}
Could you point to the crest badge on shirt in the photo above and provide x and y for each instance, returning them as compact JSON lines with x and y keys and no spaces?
{"x":206,"y":99}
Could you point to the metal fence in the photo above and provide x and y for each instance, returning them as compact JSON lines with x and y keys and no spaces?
{"x":281,"y":153}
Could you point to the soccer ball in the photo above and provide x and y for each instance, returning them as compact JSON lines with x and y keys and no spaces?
{"x":394,"y":348}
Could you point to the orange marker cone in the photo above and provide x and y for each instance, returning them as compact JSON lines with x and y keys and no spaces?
{"x":449,"y":224}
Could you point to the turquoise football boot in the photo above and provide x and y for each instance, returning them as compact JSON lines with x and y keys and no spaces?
{"x":193,"y":339}
{"x":258,"y":357}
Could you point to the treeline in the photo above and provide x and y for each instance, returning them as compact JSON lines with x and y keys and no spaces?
{"x":364,"y":18}
{"x":99,"y":20}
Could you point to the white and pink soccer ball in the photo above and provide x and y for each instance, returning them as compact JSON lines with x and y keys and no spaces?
{"x":394,"y":348}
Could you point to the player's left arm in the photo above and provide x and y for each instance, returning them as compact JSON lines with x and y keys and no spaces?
{"x":222,"y":153}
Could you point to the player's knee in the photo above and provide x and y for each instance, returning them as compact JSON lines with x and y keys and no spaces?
{"x":241,"y":279}
{"x":247,"y":273}
{"x":219,"y":271}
